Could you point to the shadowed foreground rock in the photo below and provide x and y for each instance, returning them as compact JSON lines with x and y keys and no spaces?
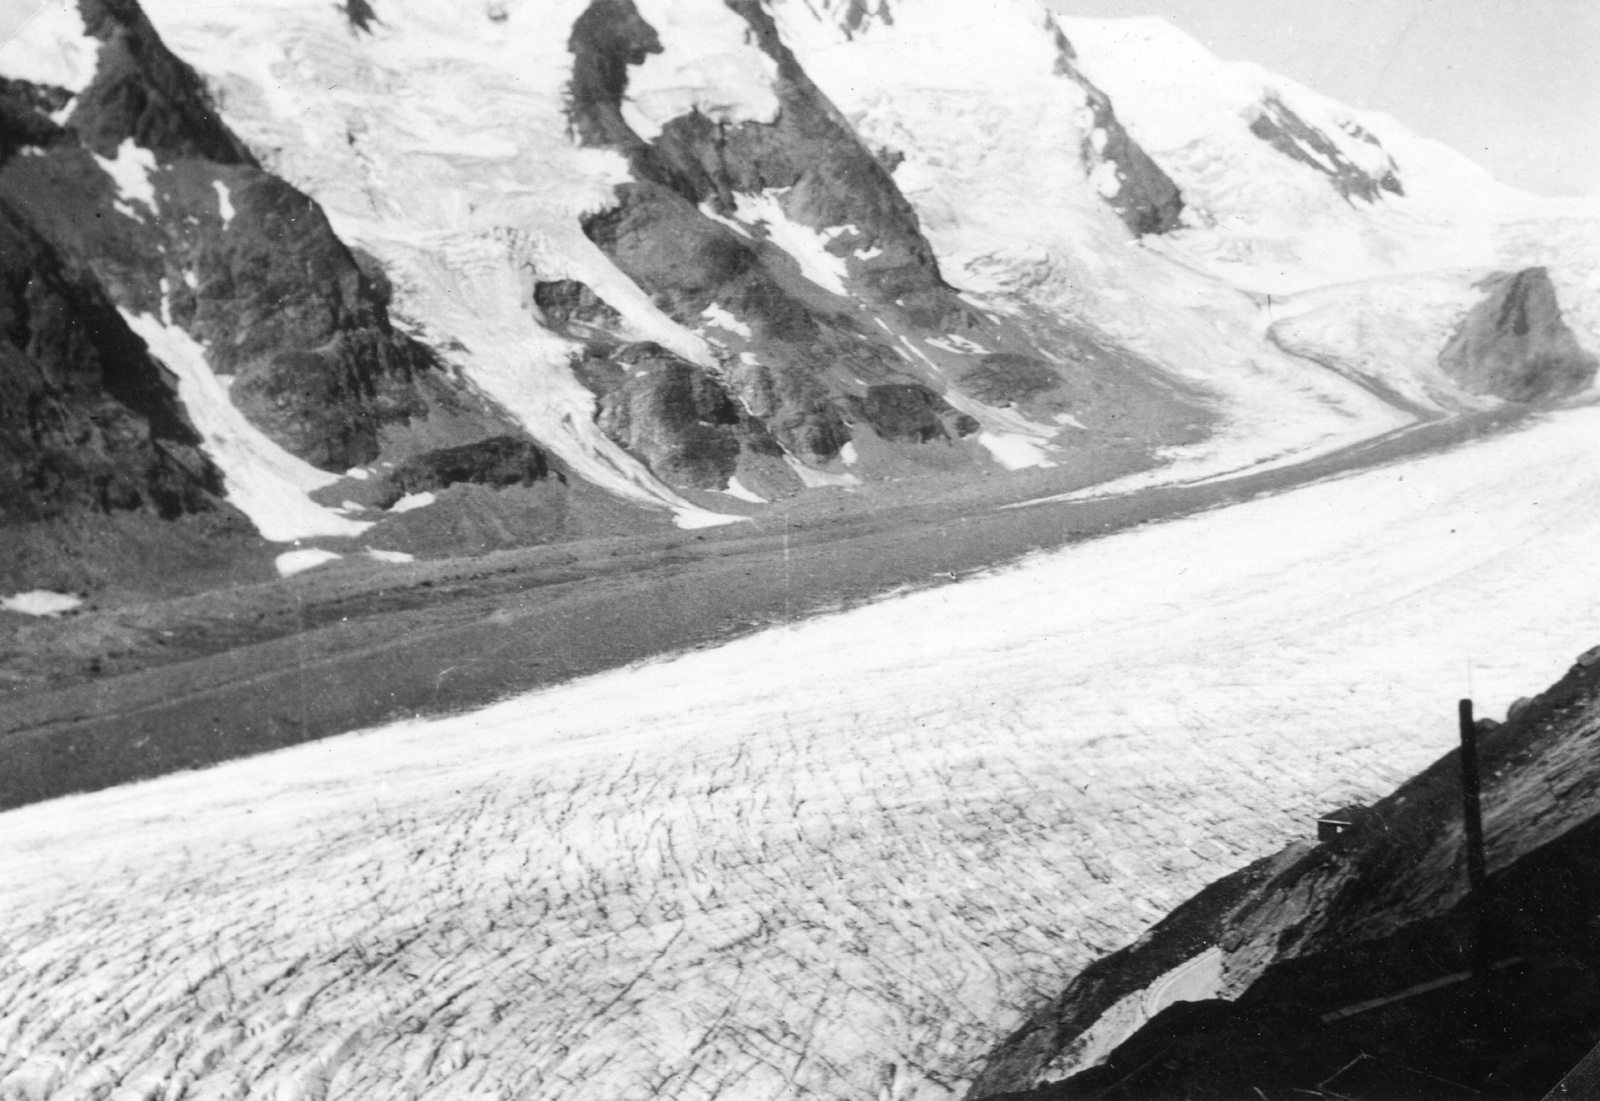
{"x":1362,"y":967}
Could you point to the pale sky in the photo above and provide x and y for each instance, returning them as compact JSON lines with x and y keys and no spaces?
{"x":1513,"y":84}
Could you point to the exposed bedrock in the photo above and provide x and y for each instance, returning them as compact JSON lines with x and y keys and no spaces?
{"x":1298,"y":140}
{"x":142,"y":91}
{"x":569,"y":306}
{"x":1132,"y":184}
{"x":87,"y":419}
{"x":1003,"y":378}
{"x":689,"y":262}
{"x":825,"y":175}
{"x":241,"y":260}
{"x":495,"y":462}
{"x":1515,"y":345}
{"x":910,"y":413}
{"x":674,"y":415}
{"x":286,"y":309}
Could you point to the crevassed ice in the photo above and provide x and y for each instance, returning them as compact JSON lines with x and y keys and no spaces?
{"x":263,"y":481}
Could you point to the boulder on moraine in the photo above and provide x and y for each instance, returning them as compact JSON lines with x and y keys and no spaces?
{"x":1515,"y":345}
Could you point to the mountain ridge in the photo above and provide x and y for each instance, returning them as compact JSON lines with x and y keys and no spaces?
{"x":713,"y":259}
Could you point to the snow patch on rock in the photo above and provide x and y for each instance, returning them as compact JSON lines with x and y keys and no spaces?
{"x":292,"y":562}
{"x":808,"y":247}
{"x":131,"y":169}
{"x":737,"y":489}
{"x":1014,"y":451}
{"x":224,"y":202}
{"x":413,"y":501}
{"x":41,"y":602}
{"x":722,"y":319}
{"x":264,"y":481}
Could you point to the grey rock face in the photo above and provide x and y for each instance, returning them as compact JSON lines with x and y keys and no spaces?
{"x":676,"y":417}
{"x":908,"y":413}
{"x":87,"y":419}
{"x":1145,"y":198}
{"x":1298,"y":140}
{"x":277,"y":298}
{"x":1514,"y":344}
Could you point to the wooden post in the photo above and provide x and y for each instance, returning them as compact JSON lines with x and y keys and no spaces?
{"x":1471,"y":794}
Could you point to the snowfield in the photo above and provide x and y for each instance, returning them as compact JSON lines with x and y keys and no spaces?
{"x":839,"y":859}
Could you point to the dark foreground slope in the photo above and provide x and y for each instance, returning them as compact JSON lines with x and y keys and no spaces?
{"x":1364,"y":967}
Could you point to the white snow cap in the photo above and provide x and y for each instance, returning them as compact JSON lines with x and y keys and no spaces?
{"x":46,"y":42}
{"x":708,"y":64}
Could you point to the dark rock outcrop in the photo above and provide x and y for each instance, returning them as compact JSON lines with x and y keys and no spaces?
{"x":571,"y":307}
{"x":689,"y":262}
{"x":1365,"y":967}
{"x":1298,"y":140}
{"x":809,"y":152}
{"x":141,"y":91}
{"x":1514,"y":344}
{"x":674,"y":416}
{"x":1003,"y":378}
{"x":244,"y":262}
{"x":360,"y":15}
{"x":495,"y":462}
{"x":1145,"y":198}
{"x":88,"y":420}
{"x":814,"y":359}
{"x":909,"y":413}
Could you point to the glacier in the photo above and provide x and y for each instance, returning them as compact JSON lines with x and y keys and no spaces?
{"x":840,"y":857}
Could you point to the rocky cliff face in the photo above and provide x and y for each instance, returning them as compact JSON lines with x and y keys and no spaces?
{"x":717,"y":251}
{"x":1348,"y":966}
{"x":1298,"y":140}
{"x":131,"y":199}
{"x":1515,"y":345}
{"x":676,"y":232}
{"x":1143,"y":196}
{"x":243,"y":262}
{"x":90,"y":421}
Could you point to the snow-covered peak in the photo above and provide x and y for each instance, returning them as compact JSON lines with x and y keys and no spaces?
{"x":707,"y":63}
{"x":45,"y":41}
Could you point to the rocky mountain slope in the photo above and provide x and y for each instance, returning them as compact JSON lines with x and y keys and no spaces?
{"x":1363,"y":965}
{"x":689,"y":259}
